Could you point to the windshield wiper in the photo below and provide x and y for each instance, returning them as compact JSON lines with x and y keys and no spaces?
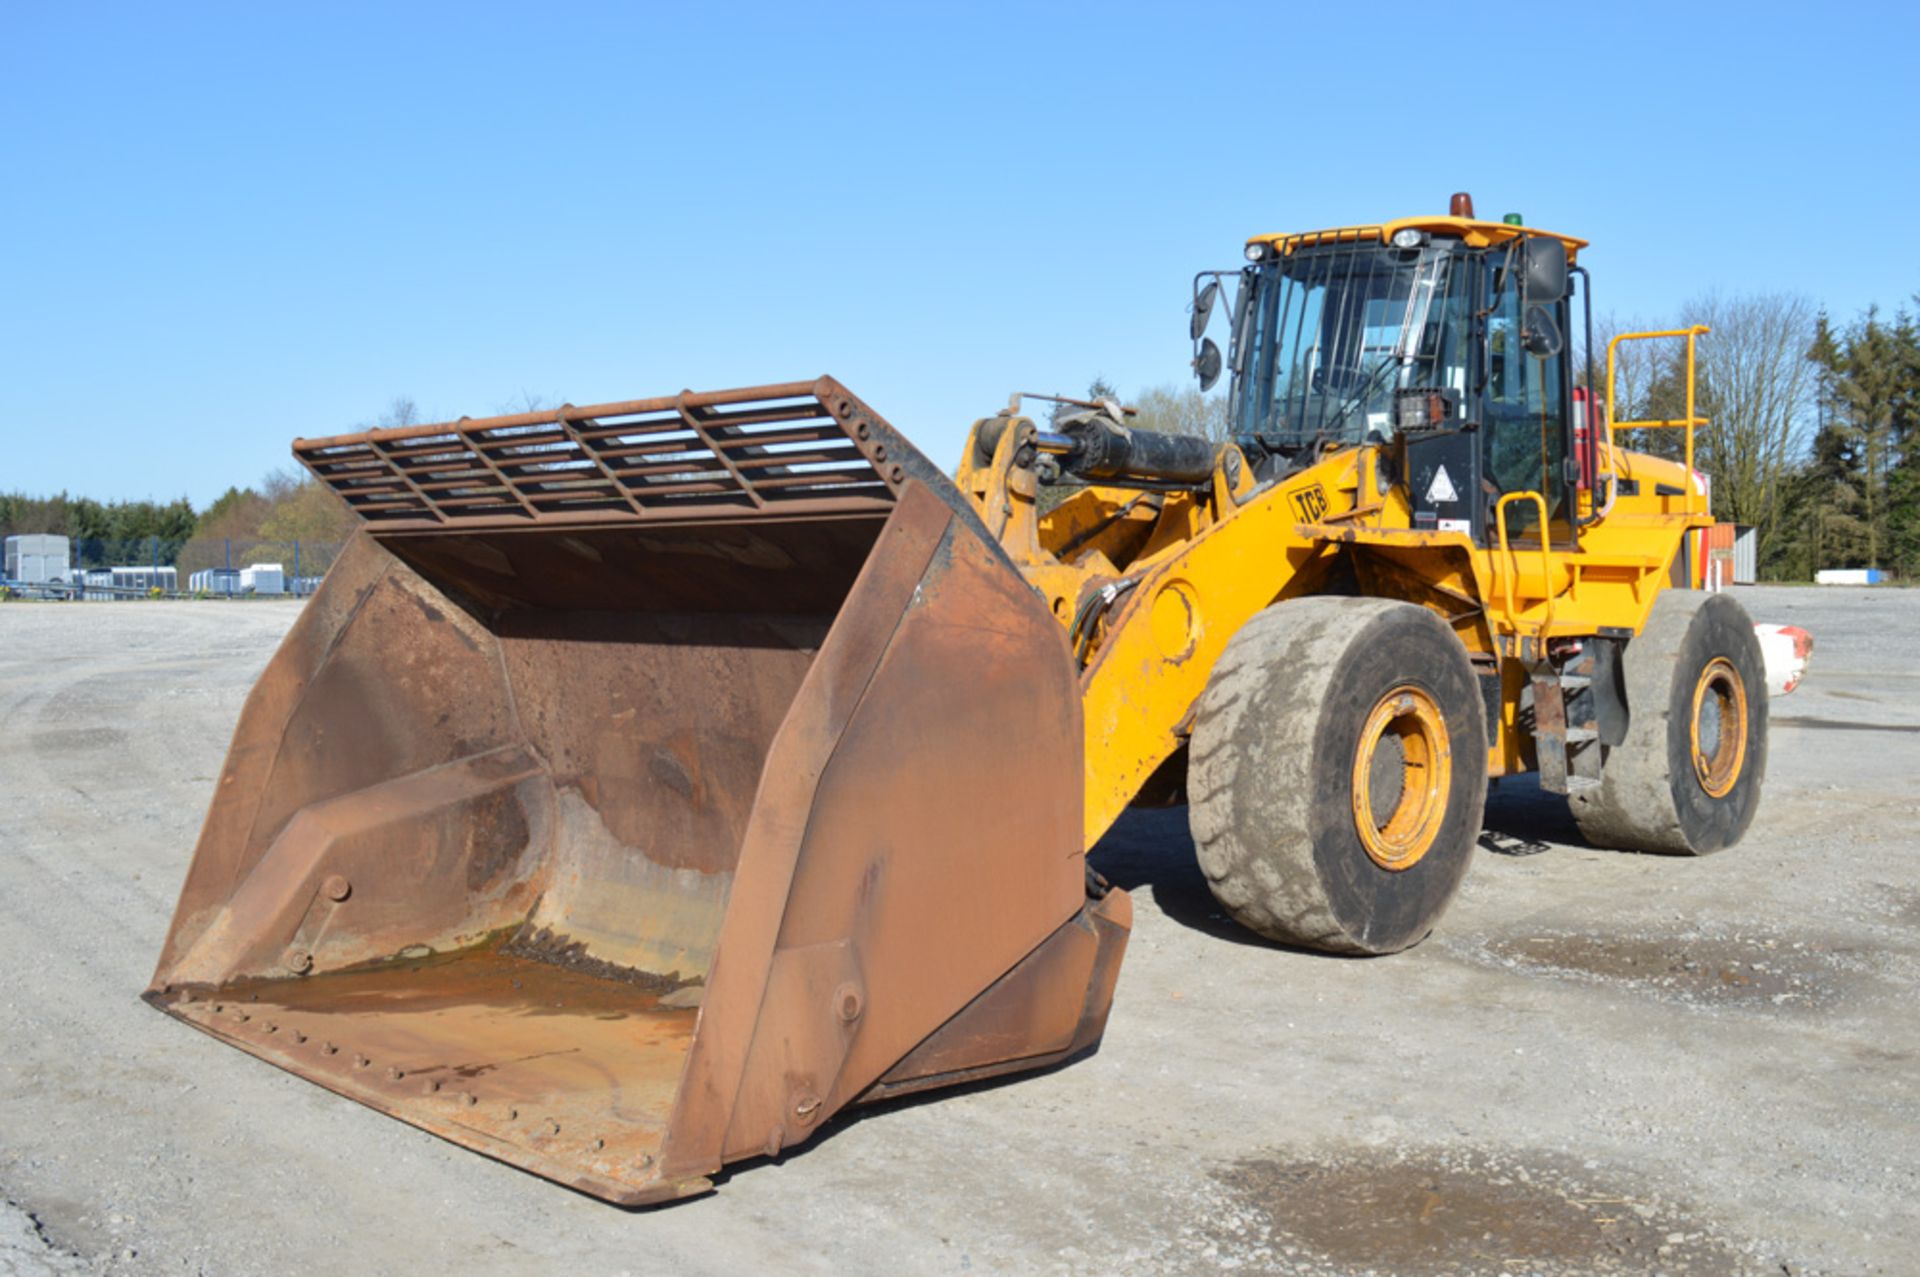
{"x":1365,"y":393}
{"x":1419,"y":303}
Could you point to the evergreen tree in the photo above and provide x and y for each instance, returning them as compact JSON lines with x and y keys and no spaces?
{"x":1903,"y":474}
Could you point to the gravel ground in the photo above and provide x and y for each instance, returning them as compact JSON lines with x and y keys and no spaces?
{"x":1601,"y":1063}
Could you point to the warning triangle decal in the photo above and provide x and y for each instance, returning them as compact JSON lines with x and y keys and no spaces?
{"x":1441,"y":490}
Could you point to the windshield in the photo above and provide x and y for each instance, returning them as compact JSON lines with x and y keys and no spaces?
{"x":1332,"y":332}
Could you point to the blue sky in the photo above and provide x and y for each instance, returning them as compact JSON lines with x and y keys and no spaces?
{"x":225,"y":226}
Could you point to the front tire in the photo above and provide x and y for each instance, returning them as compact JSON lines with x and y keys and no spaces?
{"x":1686,"y":780}
{"x":1338,"y":772}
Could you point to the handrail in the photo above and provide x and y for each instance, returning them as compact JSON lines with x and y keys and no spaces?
{"x":1513,"y":570}
{"x":1689,"y":422}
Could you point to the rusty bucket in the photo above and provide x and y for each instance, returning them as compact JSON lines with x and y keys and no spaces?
{"x":646,"y":783}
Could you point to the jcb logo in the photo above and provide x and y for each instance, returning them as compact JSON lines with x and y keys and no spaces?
{"x":1310,"y":503}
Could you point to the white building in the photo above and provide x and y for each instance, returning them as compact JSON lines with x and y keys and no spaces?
{"x":263,"y":578}
{"x":215,"y":581}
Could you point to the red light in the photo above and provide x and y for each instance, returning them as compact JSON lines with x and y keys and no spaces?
{"x":1461,"y":205}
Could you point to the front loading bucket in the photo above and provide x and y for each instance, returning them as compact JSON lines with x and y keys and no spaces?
{"x":644,"y":784}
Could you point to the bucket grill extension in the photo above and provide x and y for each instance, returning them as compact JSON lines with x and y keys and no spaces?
{"x":646,"y":783}
{"x":782,"y":447}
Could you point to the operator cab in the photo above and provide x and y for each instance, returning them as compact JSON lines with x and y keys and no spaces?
{"x":1445,"y":334}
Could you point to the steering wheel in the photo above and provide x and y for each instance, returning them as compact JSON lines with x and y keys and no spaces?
{"x":1340,"y":379}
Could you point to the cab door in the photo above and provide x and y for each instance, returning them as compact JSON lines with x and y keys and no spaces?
{"x":1525,"y":422}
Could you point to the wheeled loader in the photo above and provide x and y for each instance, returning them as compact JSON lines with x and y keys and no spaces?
{"x":647,"y":782}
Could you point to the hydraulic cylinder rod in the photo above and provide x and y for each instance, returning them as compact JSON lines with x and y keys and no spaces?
{"x":1096,"y":448}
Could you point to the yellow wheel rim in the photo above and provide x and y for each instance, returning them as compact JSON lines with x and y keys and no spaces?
{"x":1402,"y":772}
{"x":1718,"y":727}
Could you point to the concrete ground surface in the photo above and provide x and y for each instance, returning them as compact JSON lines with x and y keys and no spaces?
{"x":1601,"y":1062}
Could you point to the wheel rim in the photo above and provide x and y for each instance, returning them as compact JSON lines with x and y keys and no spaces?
{"x":1719,"y":727}
{"x":1399,"y":806}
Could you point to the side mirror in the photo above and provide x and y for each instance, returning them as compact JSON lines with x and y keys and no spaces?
{"x":1539,"y":334}
{"x":1203,"y":308}
{"x":1206,"y":364}
{"x":1543,"y":270}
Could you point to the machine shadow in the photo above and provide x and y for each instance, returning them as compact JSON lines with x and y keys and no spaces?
{"x":1519,"y":808}
{"x":853,"y":1115}
{"x":1151,"y":848}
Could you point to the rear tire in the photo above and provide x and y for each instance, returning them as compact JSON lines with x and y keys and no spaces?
{"x":1679,"y":783}
{"x":1338,"y":772}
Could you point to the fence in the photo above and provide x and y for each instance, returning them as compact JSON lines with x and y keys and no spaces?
{"x":198,"y":567}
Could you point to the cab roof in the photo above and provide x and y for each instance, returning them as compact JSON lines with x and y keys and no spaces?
{"x":1475,"y":233}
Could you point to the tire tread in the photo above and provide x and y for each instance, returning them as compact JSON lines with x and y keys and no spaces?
{"x":1249,"y":789}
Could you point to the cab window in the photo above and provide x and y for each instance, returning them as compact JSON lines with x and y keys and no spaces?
{"x":1526,"y":424}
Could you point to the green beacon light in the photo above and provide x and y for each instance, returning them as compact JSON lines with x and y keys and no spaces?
{"x":1513,"y":219}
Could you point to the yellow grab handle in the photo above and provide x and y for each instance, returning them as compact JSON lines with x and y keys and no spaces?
{"x":1513,"y":570}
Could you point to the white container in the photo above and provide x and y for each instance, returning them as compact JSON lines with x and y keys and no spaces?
{"x":37,"y":559}
{"x":263,"y":578}
{"x":1746,"y":555}
{"x":143,"y":579}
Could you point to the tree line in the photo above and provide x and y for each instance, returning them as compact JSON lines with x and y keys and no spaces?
{"x":1812,"y":433}
{"x":124,"y":529}
{"x":259,"y":523}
